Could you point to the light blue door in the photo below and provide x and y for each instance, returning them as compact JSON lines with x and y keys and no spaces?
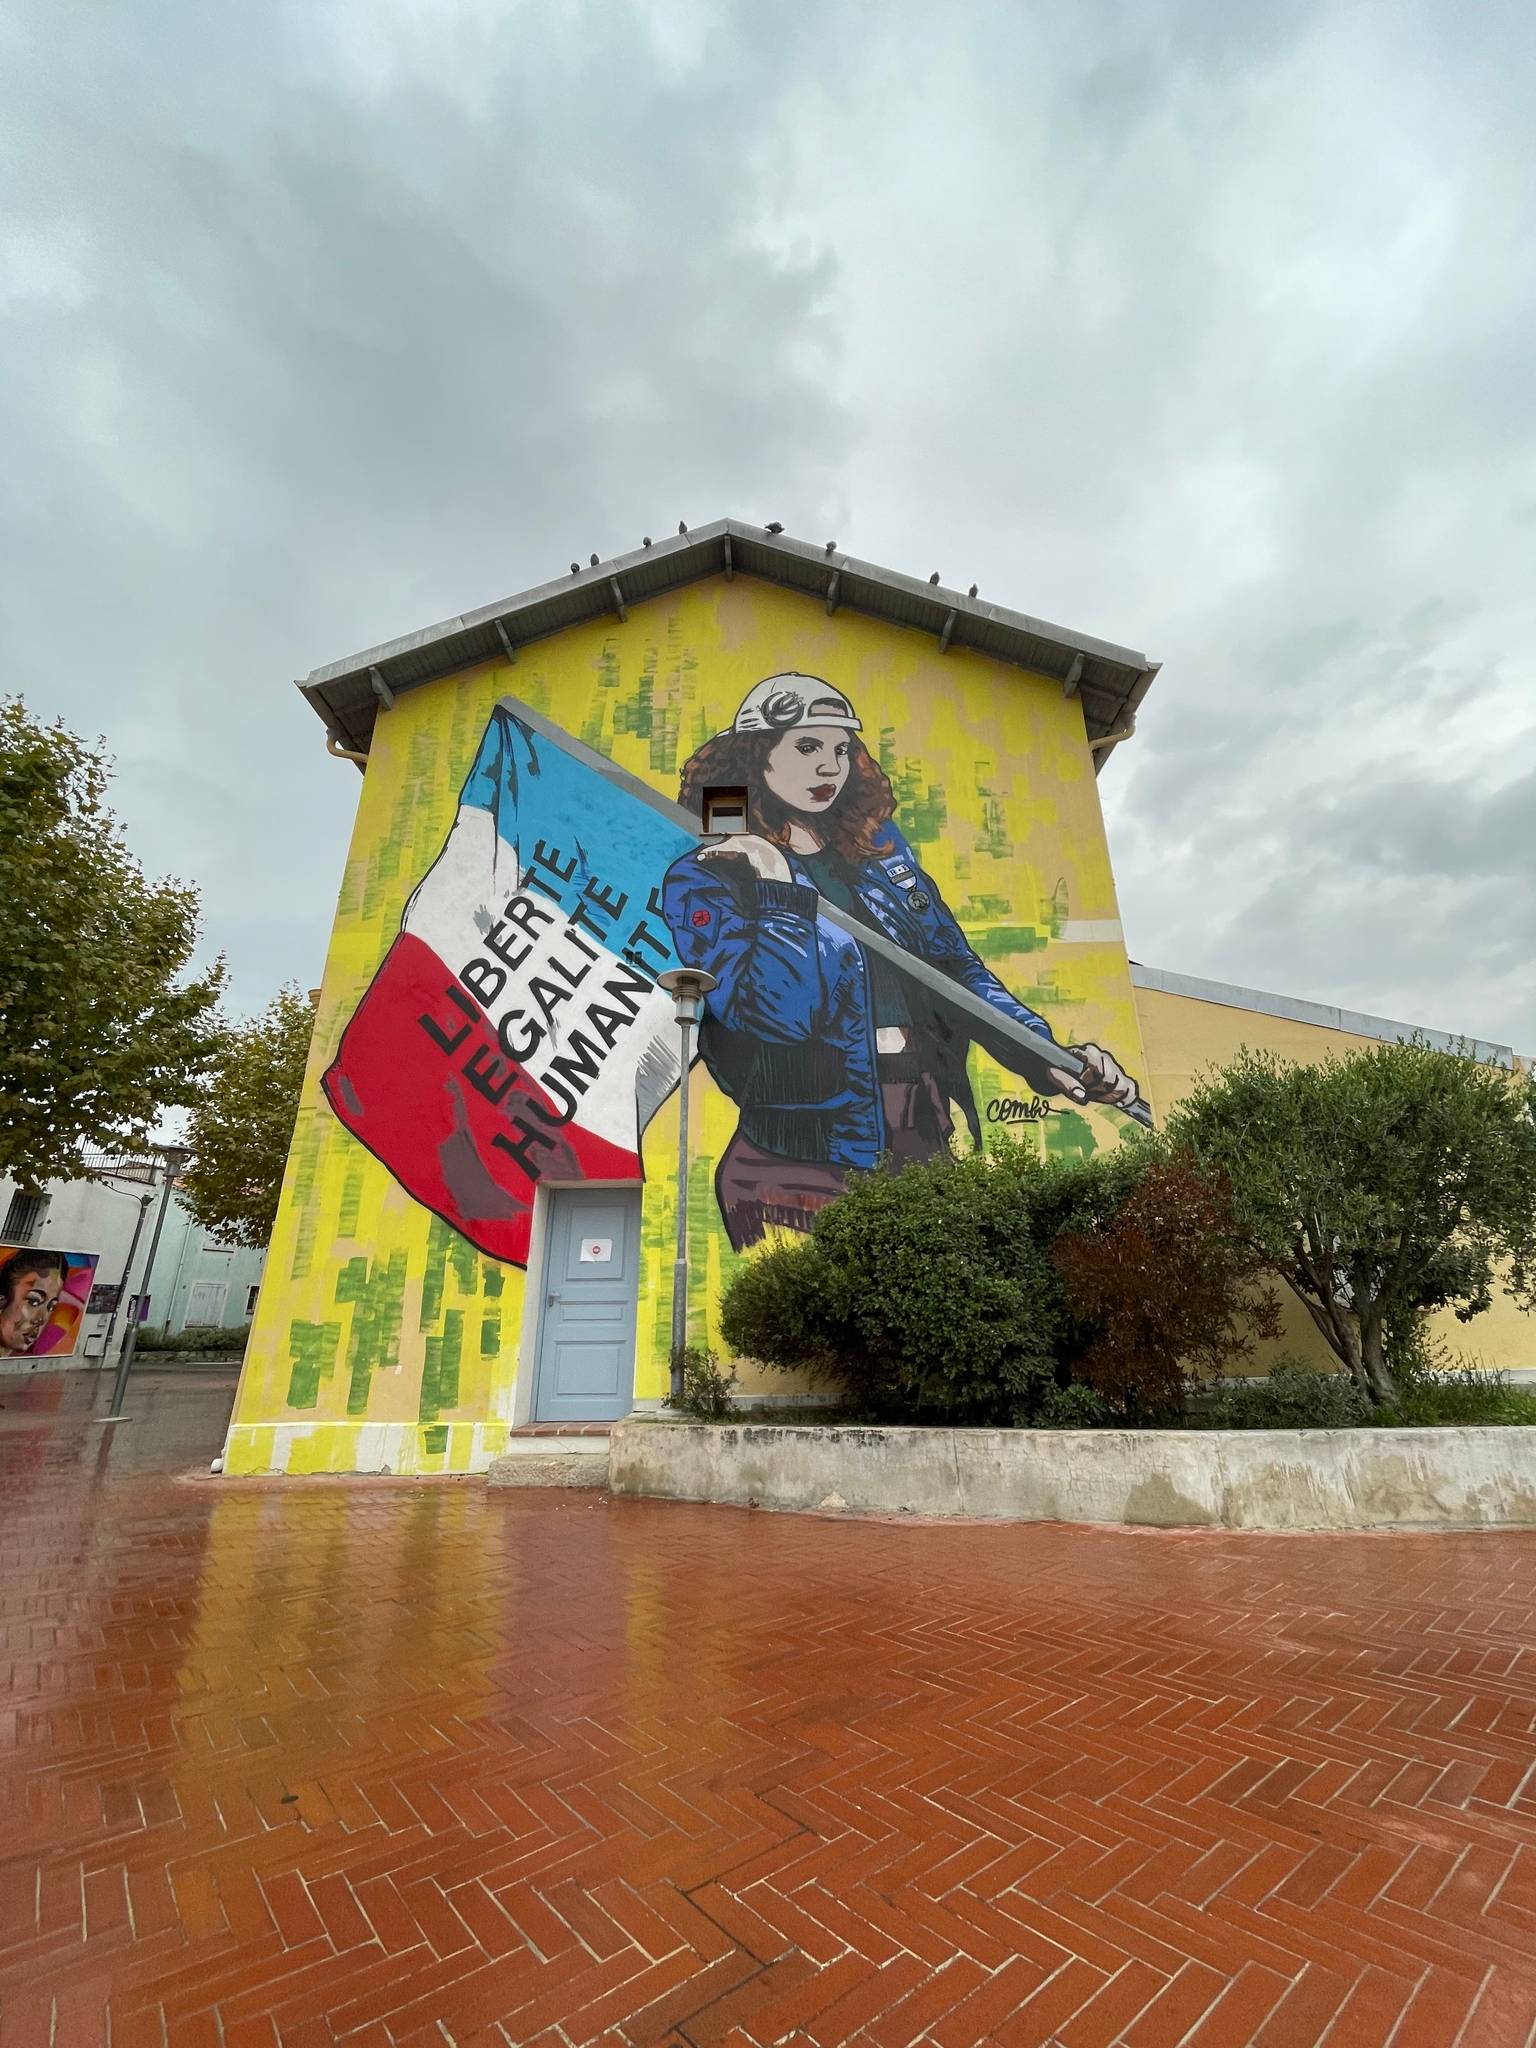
{"x":586,"y":1363}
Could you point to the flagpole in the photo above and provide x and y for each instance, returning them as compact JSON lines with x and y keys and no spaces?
{"x":1043,"y":1054}
{"x":687,"y":987}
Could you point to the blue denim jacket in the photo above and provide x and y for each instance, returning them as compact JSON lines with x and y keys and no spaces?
{"x":788,"y":1033}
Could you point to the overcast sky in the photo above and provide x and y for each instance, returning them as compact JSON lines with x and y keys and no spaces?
{"x":1203,"y":327}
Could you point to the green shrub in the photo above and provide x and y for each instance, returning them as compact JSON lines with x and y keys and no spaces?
{"x":1436,"y":1385}
{"x":1074,"y":1407}
{"x":784,"y":1309}
{"x":1464,"y":1393}
{"x":1294,"y":1395}
{"x":931,"y":1294}
{"x":706,"y":1391}
{"x":228,"y":1343}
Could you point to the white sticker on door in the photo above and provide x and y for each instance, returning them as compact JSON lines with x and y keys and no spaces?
{"x":596,"y":1251}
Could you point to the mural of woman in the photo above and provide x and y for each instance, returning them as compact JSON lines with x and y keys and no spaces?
{"x":833,"y":1056}
{"x":30,"y":1283}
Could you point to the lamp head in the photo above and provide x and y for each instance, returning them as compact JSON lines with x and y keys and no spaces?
{"x":687,"y":986}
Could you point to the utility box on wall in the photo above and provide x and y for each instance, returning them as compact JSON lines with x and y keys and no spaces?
{"x":882,"y":839}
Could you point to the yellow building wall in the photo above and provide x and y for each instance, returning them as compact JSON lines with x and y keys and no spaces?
{"x":1184,"y":1037}
{"x":382,"y":1337}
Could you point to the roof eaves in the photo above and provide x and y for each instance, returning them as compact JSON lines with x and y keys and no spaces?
{"x":1111,"y":680}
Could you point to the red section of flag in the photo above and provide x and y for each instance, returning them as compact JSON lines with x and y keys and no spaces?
{"x":414,"y":1079}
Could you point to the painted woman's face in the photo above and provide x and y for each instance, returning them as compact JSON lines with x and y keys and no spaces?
{"x":23,"y":1315}
{"x":808,"y":767}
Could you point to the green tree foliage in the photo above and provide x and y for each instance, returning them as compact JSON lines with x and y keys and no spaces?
{"x":932,"y":1293}
{"x":1164,"y":1287}
{"x":242,"y":1125}
{"x":1378,"y":1185}
{"x":104,"y":1028}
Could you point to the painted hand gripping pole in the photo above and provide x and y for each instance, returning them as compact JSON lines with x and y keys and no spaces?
{"x":515,"y":1029}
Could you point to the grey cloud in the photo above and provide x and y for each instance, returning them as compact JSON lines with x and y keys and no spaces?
{"x":1201,"y":327}
{"x":1409,"y":825}
{"x":325,"y":364}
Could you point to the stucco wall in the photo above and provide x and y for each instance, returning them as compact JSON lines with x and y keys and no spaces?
{"x":1231,"y":1479}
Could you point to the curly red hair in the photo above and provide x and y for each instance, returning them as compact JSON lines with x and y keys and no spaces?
{"x":736,"y":760}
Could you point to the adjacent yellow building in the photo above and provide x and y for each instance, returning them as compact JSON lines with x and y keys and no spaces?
{"x":1191,"y":1026}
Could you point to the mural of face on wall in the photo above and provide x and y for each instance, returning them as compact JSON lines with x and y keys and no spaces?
{"x":516,"y":1029}
{"x":834,"y":1056}
{"x":30,"y":1285}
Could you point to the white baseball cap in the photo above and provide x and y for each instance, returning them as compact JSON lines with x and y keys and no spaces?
{"x":780,"y":703}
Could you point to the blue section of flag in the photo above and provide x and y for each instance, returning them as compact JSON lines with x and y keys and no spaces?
{"x":556,"y":812}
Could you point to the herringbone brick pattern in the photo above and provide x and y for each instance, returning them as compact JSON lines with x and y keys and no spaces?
{"x":378,"y":1763}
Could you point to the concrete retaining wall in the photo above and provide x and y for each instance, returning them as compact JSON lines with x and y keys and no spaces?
{"x":1227,"y":1479}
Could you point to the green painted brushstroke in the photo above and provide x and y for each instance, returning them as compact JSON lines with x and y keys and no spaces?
{"x":351,"y":1201}
{"x":985,"y":909}
{"x":395,"y":856}
{"x":309,"y":1135}
{"x":596,"y":728}
{"x":312,"y":1347}
{"x":445,"y":1249}
{"x":1068,"y":1135}
{"x":492,"y":1279}
{"x":434,"y":1441}
{"x":440,"y":1371}
{"x":531,"y":687}
{"x":634,"y":715}
{"x":490,"y":1334}
{"x":465,"y":1261}
{"x":1001,"y":939}
{"x":703,"y":1223}
{"x":993,"y":837}
{"x":377,"y":1295}
{"x":1059,"y":909}
{"x":656,"y":1226}
{"x":920,"y":806}
{"x":667,"y":704}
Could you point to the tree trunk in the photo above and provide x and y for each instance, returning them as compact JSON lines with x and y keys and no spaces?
{"x":1338,"y":1331}
{"x":1381,"y":1386}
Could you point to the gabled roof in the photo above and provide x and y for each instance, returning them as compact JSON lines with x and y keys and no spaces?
{"x":1111,"y":680}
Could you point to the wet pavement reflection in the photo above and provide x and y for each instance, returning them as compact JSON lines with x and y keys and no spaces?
{"x":389,"y":1762}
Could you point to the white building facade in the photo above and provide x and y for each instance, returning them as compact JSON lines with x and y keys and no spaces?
{"x":110,"y":1213}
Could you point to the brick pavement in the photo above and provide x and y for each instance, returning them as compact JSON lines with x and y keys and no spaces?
{"x":394,"y":1764}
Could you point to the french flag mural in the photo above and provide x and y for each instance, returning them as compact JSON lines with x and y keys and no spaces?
{"x":515,"y":1029}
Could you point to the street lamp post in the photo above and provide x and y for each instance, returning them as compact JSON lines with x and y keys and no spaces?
{"x":144,"y":1201}
{"x":175,"y":1157}
{"x":687,"y":987}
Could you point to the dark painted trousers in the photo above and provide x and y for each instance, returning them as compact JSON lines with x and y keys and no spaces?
{"x":757,"y":1190}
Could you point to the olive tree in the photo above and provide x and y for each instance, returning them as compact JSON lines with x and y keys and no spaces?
{"x":1377,"y":1185}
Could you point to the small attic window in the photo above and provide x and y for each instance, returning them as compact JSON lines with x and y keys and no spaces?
{"x":725,"y":810}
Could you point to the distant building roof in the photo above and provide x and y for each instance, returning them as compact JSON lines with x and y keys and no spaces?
{"x":1323,"y":1015}
{"x":1111,"y":680}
